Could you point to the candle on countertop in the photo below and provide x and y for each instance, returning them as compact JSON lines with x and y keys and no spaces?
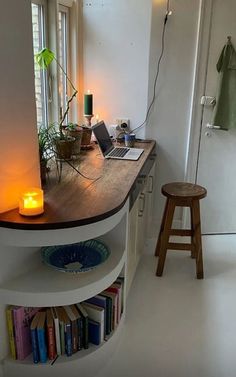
{"x":88,"y":103}
{"x":31,"y":202}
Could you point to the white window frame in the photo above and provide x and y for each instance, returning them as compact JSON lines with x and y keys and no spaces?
{"x":66,"y":52}
{"x":43,"y":73}
{"x":74,"y":55}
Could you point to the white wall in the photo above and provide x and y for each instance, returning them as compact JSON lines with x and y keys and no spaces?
{"x":119,"y":53}
{"x":116,"y":57}
{"x":19,"y":166}
{"x":170,"y":119}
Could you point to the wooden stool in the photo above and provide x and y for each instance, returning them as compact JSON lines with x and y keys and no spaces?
{"x":181,"y":194}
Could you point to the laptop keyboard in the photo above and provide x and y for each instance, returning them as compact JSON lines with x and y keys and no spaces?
{"x":119,"y":152}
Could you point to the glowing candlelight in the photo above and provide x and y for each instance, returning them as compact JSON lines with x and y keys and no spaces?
{"x":31,"y":202}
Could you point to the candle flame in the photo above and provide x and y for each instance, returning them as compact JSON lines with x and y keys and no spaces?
{"x":89,"y":91}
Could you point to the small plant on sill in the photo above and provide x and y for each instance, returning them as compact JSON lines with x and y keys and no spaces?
{"x":63,"y":142}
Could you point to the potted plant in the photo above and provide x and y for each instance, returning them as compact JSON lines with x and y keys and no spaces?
{"x":75,"y":131}
{"x":63,"y":143}
{"x":44,"y":151}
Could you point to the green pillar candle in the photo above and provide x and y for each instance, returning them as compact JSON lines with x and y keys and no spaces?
{"x":88,"y":104}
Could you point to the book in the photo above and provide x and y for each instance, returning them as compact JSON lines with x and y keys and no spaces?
{"x":41,"y":335}
{"x":51,"y":341}
{"x":121,"y":280}
{"x":10,"y":328}
{"x":116,"y":288}
{"x":22,"y":317}
{"x":109,"y":313}
{"x":84,"y":327}
{"x":79,"y":325}
{"x":34,"y":338}
{"x":57,"y":331}
{"x":74,"y":327}
{"x":94,"y":332}
{"x":67,"y":332}
{"x":96,"y":313}
{"x":101,"y":301}
{"x":59,"y":313}
{"x":114,"y":297}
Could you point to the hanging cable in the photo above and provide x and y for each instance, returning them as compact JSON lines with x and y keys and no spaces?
{"x":168,"y":13}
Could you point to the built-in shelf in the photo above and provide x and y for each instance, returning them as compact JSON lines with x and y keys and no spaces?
{"x":44,"y":286}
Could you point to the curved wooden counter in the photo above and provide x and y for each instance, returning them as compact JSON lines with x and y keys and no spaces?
{"x":78,"y":201}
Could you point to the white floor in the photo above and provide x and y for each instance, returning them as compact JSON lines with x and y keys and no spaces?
{"x":177,"y":326}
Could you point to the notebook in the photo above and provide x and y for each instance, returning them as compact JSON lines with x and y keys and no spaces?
{"x":107,"y":148}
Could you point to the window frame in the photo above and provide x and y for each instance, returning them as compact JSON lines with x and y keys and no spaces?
{"x":43,"y":41}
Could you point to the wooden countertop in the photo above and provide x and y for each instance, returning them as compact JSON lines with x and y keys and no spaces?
{"x":78,"y":201}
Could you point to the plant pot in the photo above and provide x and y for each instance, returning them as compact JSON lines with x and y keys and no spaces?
{"x":43,"y":171}
{"x":77,"y":134}
{"x":64,"y":148}
{"x":86,"y":138}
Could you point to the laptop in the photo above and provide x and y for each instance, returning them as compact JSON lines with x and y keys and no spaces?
{"x":107,"y":148}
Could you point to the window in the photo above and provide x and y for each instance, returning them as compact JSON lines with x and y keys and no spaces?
{"x":63,"y":24}
{"x":39,"y":41}
{"x":51,"y":86}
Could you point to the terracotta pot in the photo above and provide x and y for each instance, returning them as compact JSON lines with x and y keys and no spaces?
{"x":77,"y":134}
{"x":64,"y":148}
{"x":86,"y":138}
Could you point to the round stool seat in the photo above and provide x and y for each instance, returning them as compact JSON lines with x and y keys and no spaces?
{"x":183,"y":190}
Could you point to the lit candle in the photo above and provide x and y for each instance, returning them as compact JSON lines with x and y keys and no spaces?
{"x":97,"y":118}
{"x":88,"y":103}
{"x":31,"y":202}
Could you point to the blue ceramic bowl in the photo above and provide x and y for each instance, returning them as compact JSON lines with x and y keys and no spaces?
{"x":75,"y":258}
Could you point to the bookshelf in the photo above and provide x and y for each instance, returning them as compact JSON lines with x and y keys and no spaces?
{"x":27,"y":282}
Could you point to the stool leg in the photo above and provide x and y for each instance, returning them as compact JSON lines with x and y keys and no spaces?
{"x":158,"y":245}
{"x":193,"y":241}
{"x":198,"y":239}
{"x":165,"y":236}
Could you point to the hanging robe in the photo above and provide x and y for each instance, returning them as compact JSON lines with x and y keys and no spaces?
{"x":224,"y":115}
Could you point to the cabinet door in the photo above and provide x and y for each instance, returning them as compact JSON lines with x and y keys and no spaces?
{"x":132,"y":238}
{"x":149,"y":202}
{"x":141,"y":224}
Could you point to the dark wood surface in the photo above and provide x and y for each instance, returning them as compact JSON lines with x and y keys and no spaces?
{"x":78,"y":201}
{"x":184,"y":190}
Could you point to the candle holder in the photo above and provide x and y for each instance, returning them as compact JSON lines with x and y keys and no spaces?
{"x":87,"y":133}
{"x":88,"y":119}
{"x":31,"y":202}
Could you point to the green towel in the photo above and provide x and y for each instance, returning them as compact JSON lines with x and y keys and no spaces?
{"x":224,"y":115}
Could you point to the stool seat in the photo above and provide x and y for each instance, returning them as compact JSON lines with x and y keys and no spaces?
{"x":183,"y":190}
{"x":181,"y":194}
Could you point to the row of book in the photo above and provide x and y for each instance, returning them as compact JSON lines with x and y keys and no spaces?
{"x":64,"y":330}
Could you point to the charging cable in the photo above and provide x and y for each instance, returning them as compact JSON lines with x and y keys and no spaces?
{"x":168,"y":13}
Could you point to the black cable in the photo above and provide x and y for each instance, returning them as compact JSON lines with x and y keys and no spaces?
{"x":158,"y":67}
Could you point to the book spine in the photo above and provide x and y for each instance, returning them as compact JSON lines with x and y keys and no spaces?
{"x":34,"y":343}
{"x":85,"y":333}
{"x":18,"y":335}
{"x":57,"y":336}
{"x":62,"y":337}
{"x":80,"y":333}
{"x":68,"y":339}
{"x":74,"y":330}
{"x":51,"y":343}
{"x":42,"y":345}
{"x":10,"y":328}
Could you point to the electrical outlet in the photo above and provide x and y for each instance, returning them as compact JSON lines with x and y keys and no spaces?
{"x":120,"y":121}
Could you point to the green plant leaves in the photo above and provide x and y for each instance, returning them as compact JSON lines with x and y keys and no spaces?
{"x":44,"y":58}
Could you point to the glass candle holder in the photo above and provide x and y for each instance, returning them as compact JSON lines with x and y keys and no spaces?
{"x":31,"y":202}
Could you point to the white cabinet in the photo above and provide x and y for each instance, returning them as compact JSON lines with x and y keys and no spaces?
{"x":140,"y":223}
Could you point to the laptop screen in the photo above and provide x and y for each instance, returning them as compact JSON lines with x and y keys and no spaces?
{"x":103,"y":138}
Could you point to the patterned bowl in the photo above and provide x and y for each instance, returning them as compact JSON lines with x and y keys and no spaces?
{"x":76,"y":258}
